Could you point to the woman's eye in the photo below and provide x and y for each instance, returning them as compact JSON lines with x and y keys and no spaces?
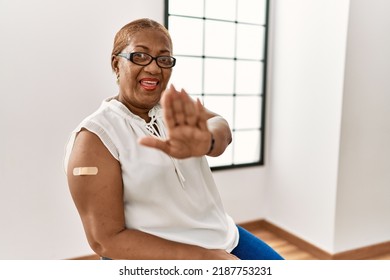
{"x":141,"y":57}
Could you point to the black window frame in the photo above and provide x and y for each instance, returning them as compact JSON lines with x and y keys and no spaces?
{"x":263,"y":94}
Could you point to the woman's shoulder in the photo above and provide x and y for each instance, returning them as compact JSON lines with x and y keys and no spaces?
{"x":106,"y":115}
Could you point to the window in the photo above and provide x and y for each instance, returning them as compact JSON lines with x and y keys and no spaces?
{"x":220,"y":46}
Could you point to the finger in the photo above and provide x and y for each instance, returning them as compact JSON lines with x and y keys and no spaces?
{"x":178,"y":109}
{"x":166,"y":103}
{"x":189,"y":109}
{"x":202,"y":116}
{"x":154,"y":142}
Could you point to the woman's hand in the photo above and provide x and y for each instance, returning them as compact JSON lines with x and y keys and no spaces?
{"x":186,"y":121}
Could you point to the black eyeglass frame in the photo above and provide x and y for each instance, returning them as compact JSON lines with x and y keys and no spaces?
{"x":129,"y":56}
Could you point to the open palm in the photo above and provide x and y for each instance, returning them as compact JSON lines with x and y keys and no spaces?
{"x":186,"y":121}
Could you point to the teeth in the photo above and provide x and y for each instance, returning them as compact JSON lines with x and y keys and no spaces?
{"x":150,"y":83}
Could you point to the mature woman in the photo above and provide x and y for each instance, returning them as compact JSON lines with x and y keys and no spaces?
{"x":137,"y":170}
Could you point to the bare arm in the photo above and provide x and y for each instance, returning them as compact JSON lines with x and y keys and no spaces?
{"x":191,"y":128}
{"x":221,"y":133}
{"x":99,"y":200}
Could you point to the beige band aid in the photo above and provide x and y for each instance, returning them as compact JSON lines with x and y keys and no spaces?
{"x":79,"y":171}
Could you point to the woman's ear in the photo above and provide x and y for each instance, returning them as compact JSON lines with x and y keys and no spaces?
{"x":114,"y":64}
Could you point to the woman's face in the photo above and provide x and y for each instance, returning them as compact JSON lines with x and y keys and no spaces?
{"x":140,"y":87}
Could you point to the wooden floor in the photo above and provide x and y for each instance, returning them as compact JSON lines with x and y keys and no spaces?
{"x":292,"y":252}
{"x":283,"y":247}
{"x":286,"y":249}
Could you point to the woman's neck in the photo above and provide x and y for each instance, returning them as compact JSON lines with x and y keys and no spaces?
{"x":141,"y":112}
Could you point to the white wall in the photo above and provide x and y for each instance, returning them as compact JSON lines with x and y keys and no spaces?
{"x":242,"y":191}
{"x":328,"y":173}
{"x":363,"y":195}
{"x":307,"y":84}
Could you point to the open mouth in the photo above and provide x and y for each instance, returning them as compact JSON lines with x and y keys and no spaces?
{"x":149,"y":83}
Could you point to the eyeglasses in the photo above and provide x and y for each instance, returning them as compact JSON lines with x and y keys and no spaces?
{"x":144,"y":59}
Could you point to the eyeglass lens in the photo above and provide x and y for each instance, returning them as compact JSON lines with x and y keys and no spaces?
{"x":145,"y":59}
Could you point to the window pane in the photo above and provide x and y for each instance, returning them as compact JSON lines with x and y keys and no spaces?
{"x":219,"y":76}
{"x":188,"y":8}
{"x":183,"y":41}
{"x":225,"y":159}
{"x":222,"y":105}
{"x":220,"y":47}
{"x":247,"y":112}
{"x":196,"y":96}
{"x":250,"y":41}
{"x":252,"y":11}
{"x":220,"y":9}
{"x":219,"y":38}
{"x":249,"y":77}
{"x":246,"y":146}
{"x":187,"y":74}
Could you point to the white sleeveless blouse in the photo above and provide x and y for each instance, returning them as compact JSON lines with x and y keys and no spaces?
{"x":170,"y":198}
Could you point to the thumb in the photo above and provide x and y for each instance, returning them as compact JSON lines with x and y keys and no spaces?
{"x":154,"y":142}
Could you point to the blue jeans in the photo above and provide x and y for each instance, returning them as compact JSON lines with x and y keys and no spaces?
{"x":252,"y":248}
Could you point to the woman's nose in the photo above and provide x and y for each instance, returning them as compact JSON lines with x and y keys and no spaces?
{"x":152,"y":68}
